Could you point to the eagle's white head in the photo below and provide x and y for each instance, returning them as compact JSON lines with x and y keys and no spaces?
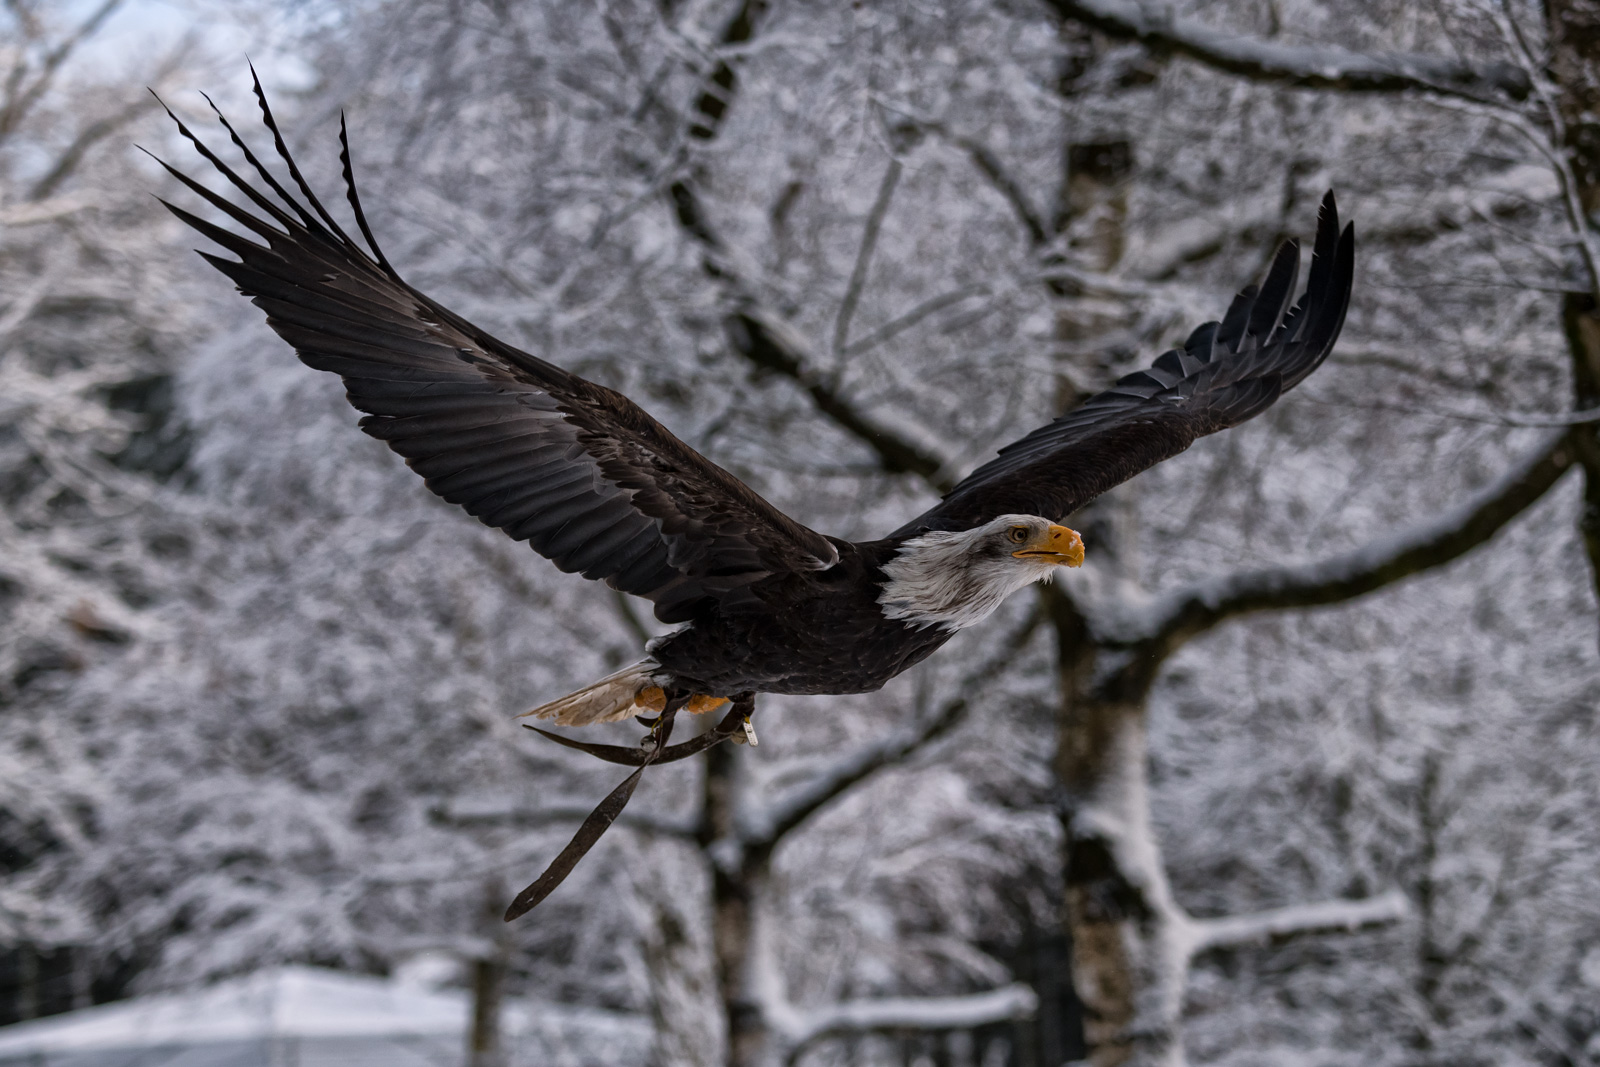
{"x":956,"y":579}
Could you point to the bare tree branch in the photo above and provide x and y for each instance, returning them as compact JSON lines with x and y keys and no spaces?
{"x":896,"y":326}
{"x":512,"y":814}
{"x":869,"y":242}
{"x":19,"y":99}
{"x":760,"y":336}
{"x":718,"y":89}
{"x":805,"y":1027}
{"x":771,"y":345}
{"x":87,"y":138}
{"x":1192,"y":610}
{"x":763,"y":829}
{"x":1324,"y":67}
{"x":990,"y":167}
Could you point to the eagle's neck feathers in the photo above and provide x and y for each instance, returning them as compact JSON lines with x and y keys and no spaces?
{"x":952,"y":580}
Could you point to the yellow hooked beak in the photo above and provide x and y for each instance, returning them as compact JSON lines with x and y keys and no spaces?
{"x":1057,"y":545}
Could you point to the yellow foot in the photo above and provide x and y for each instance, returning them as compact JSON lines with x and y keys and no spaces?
{"x":653,"y":698}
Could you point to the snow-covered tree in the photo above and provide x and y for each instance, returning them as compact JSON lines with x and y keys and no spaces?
{"x":1332,"y":672}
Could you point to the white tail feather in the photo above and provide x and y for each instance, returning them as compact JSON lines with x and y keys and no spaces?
{"x":608,"y":700}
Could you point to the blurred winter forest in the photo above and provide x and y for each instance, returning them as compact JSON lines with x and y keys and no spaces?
{"x":1301,"y":768}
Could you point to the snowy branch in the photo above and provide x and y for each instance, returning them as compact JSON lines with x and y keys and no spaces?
{"x":1321,"y":67}
{"x":772,"y":346}
{"x":931,"y":306}
{"x":92,"y":134}
{"x":989,"y":165}
{"x":761,"y":336}
{"x":1281,"y":924}
{"x":33,"y":213}
{"x":906,"y":1013}
{"x":766,"y":341}
{"x":22,"y":93}
{"x":522,"y":817}
{"x":1175,"y":618}
{"x":869,"y":243}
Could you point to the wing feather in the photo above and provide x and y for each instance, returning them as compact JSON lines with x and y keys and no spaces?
{"x":578,"y":471}
{"x":1226,"y":372}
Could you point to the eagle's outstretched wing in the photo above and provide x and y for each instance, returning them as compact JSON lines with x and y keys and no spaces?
{"x":577,"y":470}
{"x":1225,"y":373}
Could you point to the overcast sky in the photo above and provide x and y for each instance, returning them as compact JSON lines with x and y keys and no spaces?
{"x":140,"y":29}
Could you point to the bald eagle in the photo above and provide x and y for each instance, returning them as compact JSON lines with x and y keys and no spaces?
{"x":598,"y":487}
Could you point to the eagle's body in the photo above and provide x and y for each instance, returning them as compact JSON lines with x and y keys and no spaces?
{"x":830,"y":636}
{"x":883,"y":607}
{"x":595,"y":484}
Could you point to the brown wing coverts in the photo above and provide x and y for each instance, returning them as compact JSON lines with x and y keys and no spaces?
{"x":1225,"y":373}
{"x":577,"y":470}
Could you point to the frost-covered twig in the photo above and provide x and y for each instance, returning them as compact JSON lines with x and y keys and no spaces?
{"x":1533,"y":418}
{"x":34,"y":213}
{"x":869,"y":242}
{"x":896,"y":326}
{"x":988,"y":164}
{"x":1298,"y":920}
{"x":1534,"y":68}
{"x":762,"y":337}
{"x":523,"y":817}
{"x":1560,"y":166}
{"x":1322,"y":67}
{"x":771,"y":345}
{"x":22,"y":94}
{"x":1521,"y":419}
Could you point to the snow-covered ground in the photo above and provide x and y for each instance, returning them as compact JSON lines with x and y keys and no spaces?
{"x":313,"y":1016}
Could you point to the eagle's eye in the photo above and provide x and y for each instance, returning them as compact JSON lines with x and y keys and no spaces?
{"x":1017,"y":534}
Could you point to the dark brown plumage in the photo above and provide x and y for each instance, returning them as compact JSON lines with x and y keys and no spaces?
{"x":1224,"y":374}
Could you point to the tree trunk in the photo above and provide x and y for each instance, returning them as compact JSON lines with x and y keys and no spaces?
{"x":1573,"y":27}
{"x":1129,"y":938}
{"x":484,"y":1048}
{"x":734,"y":875}
{"x":1581,"y":319}
{"x":1574,"y":32}
{"x":1128,"y":960}
{"x":27,"y":982}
